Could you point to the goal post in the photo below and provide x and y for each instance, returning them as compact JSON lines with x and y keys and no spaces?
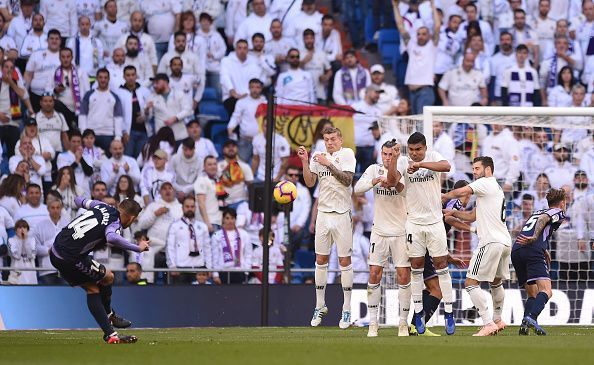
{"x":572,"y":269}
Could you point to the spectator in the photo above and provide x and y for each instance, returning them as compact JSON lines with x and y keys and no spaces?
{"x":235,"y":13}
{"x":231,"y":249}
{"x":463,"y":85}
{"x":116,"y":68}
{"x":194,"y":43}
{"x":550,"y":67}
{"x":185,"y":166}
{"x":44,"y":233}
{"x":316,"y":63}
{"x":74,"y":157}
{"x":135,"y":57}
{"x":205,"y":188}
{"x":89,"y":8}
{"x":389,"y":99}
{"x":279,"y":45}
{"x":215,"y":50}
{"x":27,"y":153}
{"x":184,"y":81}
{"x":22,"y":252}
{"x":69,"y":85}
{"x":350,"y":80}
{"x":295,"y":86}
{"x":146,"y":44}
{"x":163,"y":139}
{"x":572,"y":251}
{"x":41,"y":67}
{"x":244,"y":118}
{"x":51,"y":124}
{"x":34,"y":40}
{"x":572,"y":136}
{"x":265,"y":62}
{"x":523,"y":34}
{"x":368,"y":112}
{"x":163,"y":17}
{"x":581,"y":185}
{"x":60,"y":15}
{"x":521,"y":216}
{"x":12,"y":92}
{"x":500,"y":62}
{"x":331,"y":43}
{"x":318,"y":143}
{"x":472,"y":15}
{"x":540,"y":159}
{"x":519,"y":86}
{"x":110,"y":28}
{"x":280,"y":155}
{"x":154,"y":176}
{"x":284,"y":9}
{"x":541,"y":187}
{"x":300,"y":211}
{"x":236,"y":175}
{"x":237,"y":69}
{"x":543,"y":26}
{"x":157,"y":217}
{"x":444,"y":144}
{"x":421,"y":52}
{"x":307,"y":18}
{"x":276,"y":256}
{"x":134,"y":273}
{"x":21,"y":24}
{"x":133,"y":98}
{"x":448,"y":48}
{"x":11,"y":193}
{"x":88,"y":50}
{"x":580,"y":29}
{"x":562,"y":171}
{"x":203,"y":146}
{"x":476,"y":46}
{"x":42,"y":147}
{"x":66,"y":186}
{"x":92,"y":154}
{"x":560,"y":95}
{"x":33,"y":210}
{"x":257,"y":22}
{"x":503,"y":148}
{"x":118,"y":165}
{"x":188,"y":244}
{"x":562,"y":28}
{"x":125,"y":190}
{"x":170,"y":107}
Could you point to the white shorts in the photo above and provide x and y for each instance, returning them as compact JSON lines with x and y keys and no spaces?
{"x":334,"y":228}
{"x":421,"y":239}
{"x":382,"y":247}
{"x":489,"y":262}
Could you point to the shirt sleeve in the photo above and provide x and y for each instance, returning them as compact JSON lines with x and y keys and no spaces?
{"x":349,"y":162}
{"x":313,"y":164}
{"x":364,"y":183}
{"x":113,"y":238}
{"x":479,"y":187}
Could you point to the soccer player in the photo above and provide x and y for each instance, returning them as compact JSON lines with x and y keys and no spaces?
{"x":387,"y":237}
{"x":424,"y":226}
{"x":531,"y":259}
{"x":490,"y":261}
{"x":335,"y":169}
{"x":99,"y":225}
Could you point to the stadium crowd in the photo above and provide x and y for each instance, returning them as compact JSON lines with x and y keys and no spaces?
{"x":104,"y":99}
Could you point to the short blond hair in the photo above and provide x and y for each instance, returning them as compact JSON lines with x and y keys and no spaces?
{"x":332,"y":130}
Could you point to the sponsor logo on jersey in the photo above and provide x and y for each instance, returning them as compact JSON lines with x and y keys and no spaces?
{"x":422,"y":176}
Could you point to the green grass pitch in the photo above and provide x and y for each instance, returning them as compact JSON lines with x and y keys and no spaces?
{"x":238,"y":346}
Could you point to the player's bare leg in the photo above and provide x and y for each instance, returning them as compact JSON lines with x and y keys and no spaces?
{"x":544,"y":293}
{"x":346,"y":280}
{"x":374,"y":295}
{"x":97,"y":309}
{"x":404,"y":296}
{"x":498,"y":296}
{"x":480,"y":302}
{"x":445,"y":284}
{"x":321,"y":279}
{"x":417,"y":267}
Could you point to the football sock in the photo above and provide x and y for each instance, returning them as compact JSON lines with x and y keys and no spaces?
{"x":498,"y":295}
{"x":346,"y":279}
{"x":98,"y":311}
{"x":404,"y":295}
{"x":416,"y":286}
{"x":445,"y":284}
{"x":539,"y":303}
{"x":105,"y":292}
{"x":528,"y":306}
{"x":430,"y":305}
{"x":321,"y":278}
{"x":480,"y":302}
{"x":374,"y":295}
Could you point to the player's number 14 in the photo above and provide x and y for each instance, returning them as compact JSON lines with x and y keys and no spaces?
{"x":82,"y":224}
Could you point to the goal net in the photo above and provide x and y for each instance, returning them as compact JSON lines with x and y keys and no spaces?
{"x":533,"y":149}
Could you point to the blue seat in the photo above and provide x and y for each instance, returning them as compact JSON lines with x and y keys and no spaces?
{"x":388,"y":36}
{"x":388,"y":45}
{"x":370,"y":28}
{"x":215,"y":111}
{"x":305,"y":259}
{"x":210,"y":94}
{"x":218,"y":134}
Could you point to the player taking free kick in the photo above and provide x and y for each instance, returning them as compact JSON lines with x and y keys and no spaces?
{"x":335,"y":169}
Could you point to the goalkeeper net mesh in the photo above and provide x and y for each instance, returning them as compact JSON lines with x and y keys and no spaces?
{"x":555,"y":145}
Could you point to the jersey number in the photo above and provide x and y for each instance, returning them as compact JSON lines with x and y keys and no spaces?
{"x":503,"y":211}
{"x":372,"y":247}
{"x":530,"y":223}
{"x":409,"y":239}
{"x":82,"y":224}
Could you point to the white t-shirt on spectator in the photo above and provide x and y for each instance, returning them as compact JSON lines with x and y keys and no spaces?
{"x":281,"y":149}
{"x":421,"y":60}
{"x":43,"y":65}
{"x":463,"y":87}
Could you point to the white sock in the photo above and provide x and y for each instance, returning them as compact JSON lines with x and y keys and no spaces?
{"x":374,"y":295}
{"x":321,"y":278}
{"x":346,"y":279}
{"x":404,"y":294}
{"x":445,"y":284}
{"x":480,"y":302}
{"x":416,"y":286}
{"x":498,"y":295}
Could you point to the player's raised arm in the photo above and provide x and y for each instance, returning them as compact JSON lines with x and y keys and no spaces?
{"x":394,"y":175}
{"x":82,"y":202}
{"x":366,"y":182}
{"x":541,"y":223}
{"x":439,"y":166}
{"x":308,"y":176}
{"x":114,"y":239}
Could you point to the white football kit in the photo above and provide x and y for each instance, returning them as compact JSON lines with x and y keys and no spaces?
{"x":491,"y":258}
{"x":334,"y":222}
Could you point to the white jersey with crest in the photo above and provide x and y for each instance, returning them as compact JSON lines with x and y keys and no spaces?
{"x":490,"y":212}
{"x":423,"y":191}
{"x":334,"y":196}
{"x":389,"y":211}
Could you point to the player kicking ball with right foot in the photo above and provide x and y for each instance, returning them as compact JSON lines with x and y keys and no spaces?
{"x":335,"y":169}
{"x":101,"y":224}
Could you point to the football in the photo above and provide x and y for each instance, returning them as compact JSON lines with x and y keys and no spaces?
{"x":285,"y":192}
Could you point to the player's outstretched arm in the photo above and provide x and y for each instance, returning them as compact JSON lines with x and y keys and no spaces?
{"x":439,"y":166}
{"x":113,"y":238}
{"x":541,"y":223}
{"x":467,"y":216}
{"x":458,"y":224}
{"x":82,"y":202}
{"x":457,"y":193}
{"x":365,"y":183}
